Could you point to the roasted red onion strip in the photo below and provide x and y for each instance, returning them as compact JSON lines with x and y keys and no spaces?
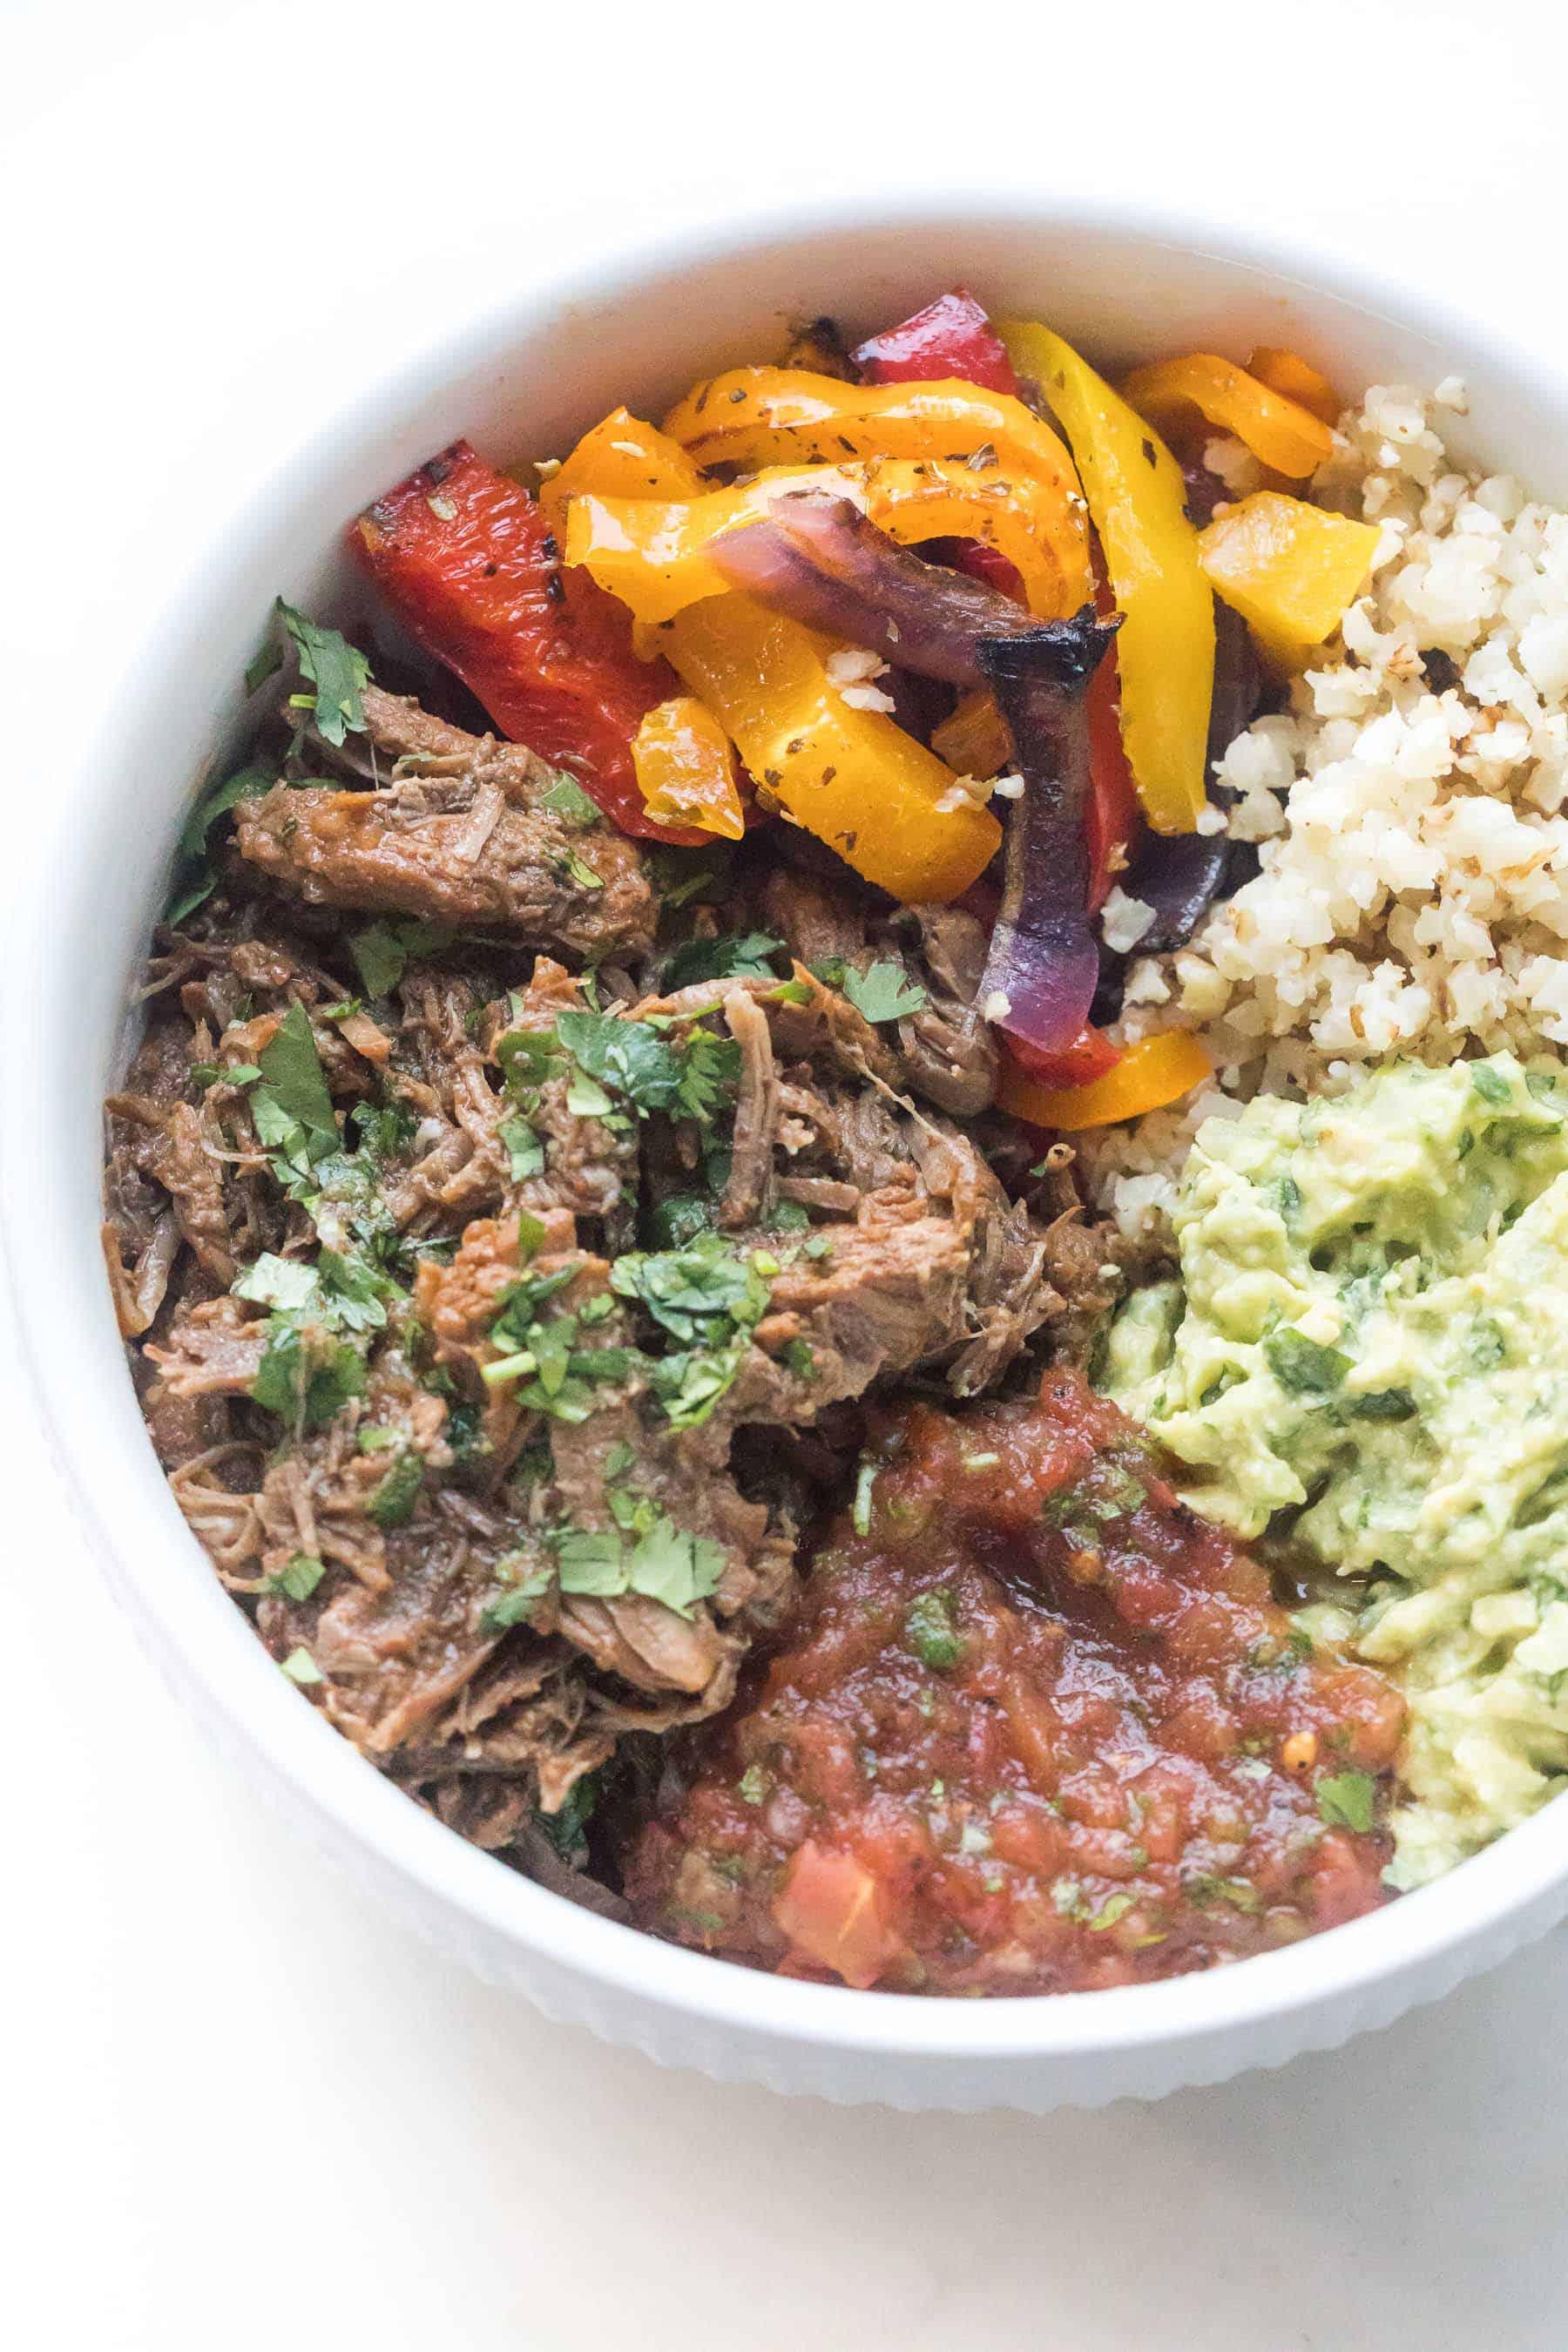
{"x":1044,"y":961}
{"x":817,"y":559}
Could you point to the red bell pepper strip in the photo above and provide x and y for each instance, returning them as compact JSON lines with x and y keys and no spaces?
{"x":951,"y":337}
{"x":469,"y":564}
{"x":1089,"y":1056}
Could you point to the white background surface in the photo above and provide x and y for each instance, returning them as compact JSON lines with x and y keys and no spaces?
{"x":245,"y":2110}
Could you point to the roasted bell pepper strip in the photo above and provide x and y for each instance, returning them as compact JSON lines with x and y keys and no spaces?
{"x":1113,"y":817}
{"x":1089,"y":1056}
{"x":973,"y":739}
{"x":851,"y":777}
{"x":1280,"y":432}
{"x":1288,"y":373}
{"x":770,"y":416}
{"x":686,"y":769}
{"x":1164,"y":651}
{"x":652,"y":553}
{"x":1158,"y":1071}
{"x":466,"y":558}
{"x":951,"y":337}
{"x":622,"y":457}
{"x":1290,"y":569}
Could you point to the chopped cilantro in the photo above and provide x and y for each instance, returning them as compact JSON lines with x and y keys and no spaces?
{"x":568,"y":801}
{"x":1347,"y":1800}
{"x":285,"y":1281}
{"x":752,"y":1785}
{"x":566,"y":1827}
{"x":392,"y":1505}
{"x":681,"y":876}
{"x":619,"y":1459}
{"x":194,"y":876}
{"x":674,"y":1221}
{"x":929,"y":1623}
{"x":734,"y":955}
{"x":1384,"y":1404}
{"x":884,"y":993}
{"x":1302,"y":1368}
{"x":299,"y":1579}
{"x":305,"y":1375}
{"x":665,"y":1563}
{"x":1205,"y":1890}
{"x":514,"y":1606}
{"x":292,"y":1105}
{"x":301,"y":1667}
{"x":524,"y":1149}
{"x":379,"y":958}
{"x":577,"y":869}
{"x":1490,"y":1084}
{"x":338,"y":671}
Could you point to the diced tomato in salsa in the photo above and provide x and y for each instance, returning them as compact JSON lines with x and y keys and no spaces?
{"x":1038,"y":1729}
{"x":466,"y":561}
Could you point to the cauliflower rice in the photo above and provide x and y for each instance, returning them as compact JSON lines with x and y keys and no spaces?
{"x":1408,"y":812}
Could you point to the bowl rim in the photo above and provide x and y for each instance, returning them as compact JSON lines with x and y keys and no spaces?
{"x":235,"y":1685}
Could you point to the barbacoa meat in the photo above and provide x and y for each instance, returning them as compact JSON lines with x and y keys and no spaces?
{"x":479,"y":1397}
{"x":465,"y":830}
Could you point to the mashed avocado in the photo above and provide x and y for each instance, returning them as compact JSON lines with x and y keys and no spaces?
{"x":1367,"y":1355}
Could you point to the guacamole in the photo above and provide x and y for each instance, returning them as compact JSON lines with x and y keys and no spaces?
{"x":1367,"y":1356}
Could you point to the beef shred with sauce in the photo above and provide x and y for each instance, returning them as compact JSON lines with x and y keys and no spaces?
{"x":507,"y":1220}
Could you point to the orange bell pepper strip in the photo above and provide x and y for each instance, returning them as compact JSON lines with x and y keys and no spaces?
{"x":1290,"y":569}
{"x":1156,"y":1071}
{"x":652,"y":553}
{"x":1289,"y":373}
{"x":973,"y":739}
{"x":622,"y":457}
{"x":754,"y":417}
{"x":1280,"y":432}
{"x":1164,"y":649}
{"x":686,"y":769}
{"x":852,"y":777}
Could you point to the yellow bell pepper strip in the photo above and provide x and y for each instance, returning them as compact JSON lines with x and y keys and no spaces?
{"x":1157,"y":1071}
{"x":1289,"y":373}
{"x":686,"y":769}
{"x":973,"y":739}
{"x":1137,"y":498}
{"x":652,"y":553}
{"x":851,"y":777}
{"x":754,"y":417}
{"x":1288,"y":569}
{"x":622,"y":457}
{"x":1280,"y":432}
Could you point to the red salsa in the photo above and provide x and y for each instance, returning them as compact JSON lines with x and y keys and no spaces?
{"x":1038,"y":1728}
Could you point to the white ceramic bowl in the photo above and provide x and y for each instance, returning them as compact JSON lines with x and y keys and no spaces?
{"x":522,"y":380}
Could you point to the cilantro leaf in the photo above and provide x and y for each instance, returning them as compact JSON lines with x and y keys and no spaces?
{"x":630,"y":1055}
{"x":338,"y":671}
{"x":577,"y":869}
{"x":1347,"y":1800}
{"x":514,"y":1606}
{"x":734,"y":955}
{"x":709,"y":1069}
{"x":392,"y":1505}
{"x":379,"y":957}
{"x":671,"y":1565}
{"x":299,"y":1579}
{"x":305,"y":1375}
{"x":568,"y":801}
{"x":884,"y":993}
{"x":194,"y":876}
{"x":301,"y":1667}
{"x":524,"y":1149}
{"x":294,"y":1090}
{"x":1302,"y":1368}
{"x":932,"y":1634}
{"x":701,"y":1292}
{"x":285,"y":1281}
